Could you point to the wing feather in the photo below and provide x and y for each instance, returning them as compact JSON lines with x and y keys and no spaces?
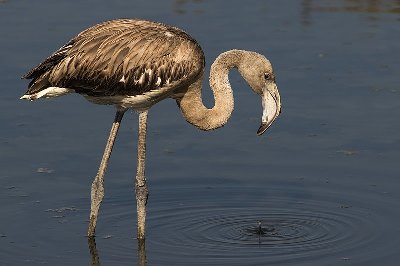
{"x":120,"y":57}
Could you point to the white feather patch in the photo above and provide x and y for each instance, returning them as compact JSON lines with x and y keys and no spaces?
{"x":47,"y":93}
{"x":158,"y":81}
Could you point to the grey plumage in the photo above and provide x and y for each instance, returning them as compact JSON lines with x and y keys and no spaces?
{"x":120,"y":57}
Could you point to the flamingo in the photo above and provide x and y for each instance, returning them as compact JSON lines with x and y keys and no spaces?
{"x":134,"y":64}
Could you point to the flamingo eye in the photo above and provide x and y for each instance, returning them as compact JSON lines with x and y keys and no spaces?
{"x":267,"y":76}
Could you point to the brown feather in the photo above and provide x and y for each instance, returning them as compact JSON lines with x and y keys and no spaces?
{"x":110,"y":59}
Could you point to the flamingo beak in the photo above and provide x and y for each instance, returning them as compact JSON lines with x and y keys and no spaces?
{"x":271,"y":109}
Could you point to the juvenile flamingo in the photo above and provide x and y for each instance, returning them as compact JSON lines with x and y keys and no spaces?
{"x":132,"y":63}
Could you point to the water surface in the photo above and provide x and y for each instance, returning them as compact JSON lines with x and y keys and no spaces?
{"x":323,"y":180}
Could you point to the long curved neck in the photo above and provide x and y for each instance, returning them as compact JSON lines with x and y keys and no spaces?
{"x":191,"y":103}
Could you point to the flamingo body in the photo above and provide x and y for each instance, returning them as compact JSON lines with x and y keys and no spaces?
{"x":133,"y":63}
{"x":128,"y":63}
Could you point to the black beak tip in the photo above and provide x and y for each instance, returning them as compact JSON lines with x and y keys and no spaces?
{"x":263,"y":127}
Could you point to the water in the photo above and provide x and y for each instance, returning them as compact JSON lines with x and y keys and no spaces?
{"x":323,"y":180}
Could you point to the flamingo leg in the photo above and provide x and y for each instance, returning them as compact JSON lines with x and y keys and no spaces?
{"x":142,"y":192}
{"x":142,"y":252}
{"x":97,"y":192}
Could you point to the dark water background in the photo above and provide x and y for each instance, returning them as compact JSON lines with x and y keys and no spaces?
{"x":324,"y":180}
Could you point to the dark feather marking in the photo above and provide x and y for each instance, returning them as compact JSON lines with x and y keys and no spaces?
{"x":49,"y":62}
{"x":102,"y":54}
{"x":119,"y":57}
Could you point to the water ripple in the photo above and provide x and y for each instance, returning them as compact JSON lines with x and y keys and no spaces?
{"x":214,"y":230}
{"x":222,"y":224}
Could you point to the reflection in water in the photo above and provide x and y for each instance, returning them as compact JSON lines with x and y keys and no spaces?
{"x":93,"y":251}
{"x":96,"y":259}
{"x":142,"y":252}
{"x":354,"y":6}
